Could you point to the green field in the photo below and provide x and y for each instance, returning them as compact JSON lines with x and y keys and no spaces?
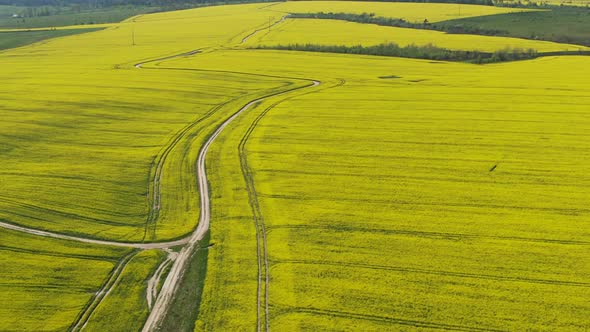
{"x":8,"y":10}
{"x":574,"y":3}
{"x":21,"y":38}
{"x":562,"y":24}
{"x":347,"y":191}
{"x":88,"y":17}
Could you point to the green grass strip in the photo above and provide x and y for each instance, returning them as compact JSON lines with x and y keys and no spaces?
{"x":184,"y":308}
{"x":12,"y":39}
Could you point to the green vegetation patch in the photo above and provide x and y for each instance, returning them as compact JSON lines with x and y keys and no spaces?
{"x":67,"y":17}
{"x":14,"y":39}
{"x":184,"y":308}
{"x":561,"y":24}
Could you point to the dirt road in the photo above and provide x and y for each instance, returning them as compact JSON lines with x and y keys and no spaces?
{"x":173,"y":278}
{"x":155,"y":245}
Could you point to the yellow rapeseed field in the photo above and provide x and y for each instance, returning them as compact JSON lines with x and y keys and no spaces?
{"x":46,"y":283}
{"x":79,"y":151}
{"x":417,"y":194}
{"x":83,"y":132}
{"x":126,"y":308}
{"x":398,"y":194}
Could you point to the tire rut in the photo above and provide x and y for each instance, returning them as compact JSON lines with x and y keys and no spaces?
{"x":261,"y":240}
{"x":99,"y":296}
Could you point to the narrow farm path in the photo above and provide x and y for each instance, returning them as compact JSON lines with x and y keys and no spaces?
{"x":179,"y":265}
{"x":138,"y":245}
{"x":153,"y":282}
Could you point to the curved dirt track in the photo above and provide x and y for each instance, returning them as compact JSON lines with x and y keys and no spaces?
{"x":155,"y":245}
{"x":171,"y":283}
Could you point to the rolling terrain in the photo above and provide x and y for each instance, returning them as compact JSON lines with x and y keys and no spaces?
{"x":163,"y":175}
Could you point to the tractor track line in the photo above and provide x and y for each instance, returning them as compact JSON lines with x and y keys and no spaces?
{"x":267,"y":27}
{"x":413,"y":324}
{"x":261,"y":241}
{"x":99,"y":296}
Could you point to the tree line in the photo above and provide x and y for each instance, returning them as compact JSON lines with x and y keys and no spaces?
{"x":115,"y":3}
{"x":370,"y":18}
{"x":166,"y":3}
{"x":428,"y":52}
